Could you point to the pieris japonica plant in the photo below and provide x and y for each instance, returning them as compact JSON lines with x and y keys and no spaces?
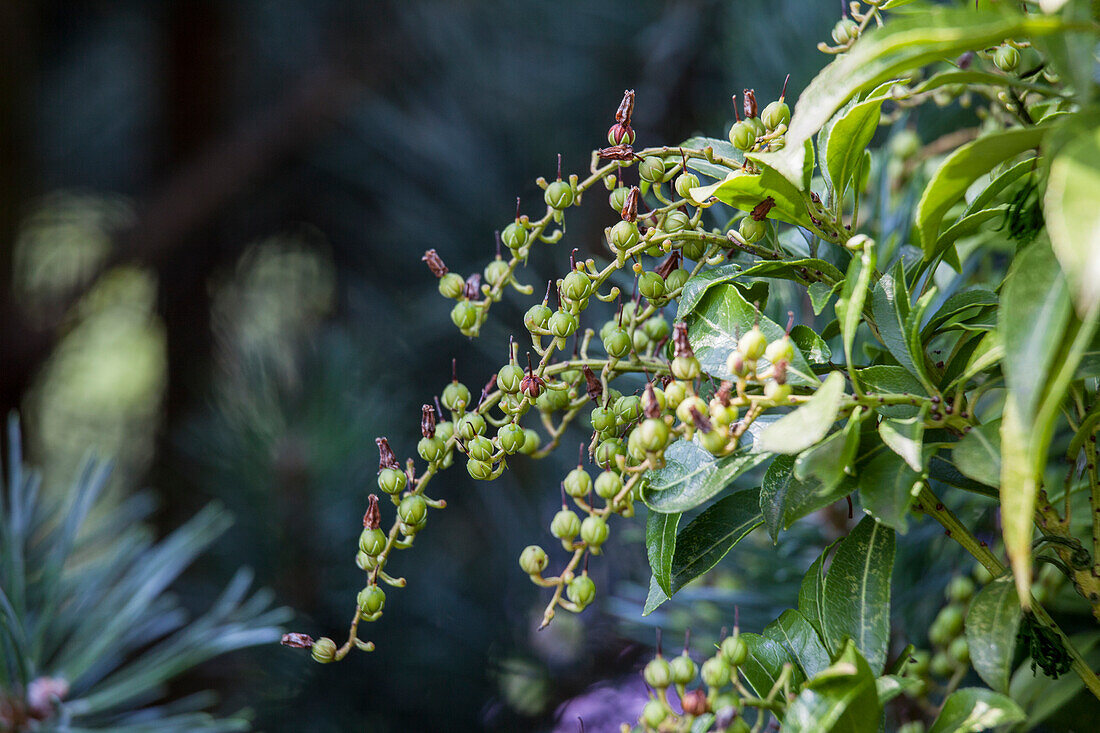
{"x":817,"y":307}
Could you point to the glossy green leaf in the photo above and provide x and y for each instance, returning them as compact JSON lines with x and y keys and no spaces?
{"x":989,"y":194}
{"x":960,"y":170}
{"x":712,"y":534}
{"x":850,"y":136}
{"x":890,"y":306}
{"x":991,"y":626}
{"x":905,"y":437}
{"x":974,"y":709}
{"x":746,"y":191}
{"x":978,"y":454}
{"x":811,"y":598}
{"x":904,"y":43}
{"x":721,"y":148}
{"x":698,"y":285}
{"x":660,"y":543}
{"x":887,"y":488}
{"x":810,"y":344}
{"x":793,"y":269}
{"x":785,"y":499}
{"x":958,"y":304}
{"x":765,"y":663}
{"x":988,"y":354}
{"x":794,"y":632}
{"x":843,"y":697}
{"x":654,"y":598}
{"x":809,"y":423}
{"x":1073,"y":216}
{"x":692,"y":476}
{"x":831,"y":460}
{"x":856,"y":592}
{"x":853,"y":296}
{"x":913,"y":335}
{"x":890,"y":379}
{"x":719,"y":319}
{"x":819,"y":295}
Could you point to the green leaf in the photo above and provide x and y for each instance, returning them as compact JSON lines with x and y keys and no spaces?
{"x":719,"y":319}
{"x":712,"y":534}
{"x":660,"y":543}
{"x":958,"y":304}
{"x":722,"y":148}
{"x":905,"y":43}
{"x":843,"y":697}
{"x":792,"y":269}
{"x":692,"y":476}
{"x":785,"y":499}
{"x":698,"y":285}
{"x":991,"y":626}
{"x":820,"y":294}
{"x":810,"y":344}
{"x":655,"y":598}
{"x":850,"y":136}
{"x":888,"y":379}
{"x":1073,"y":217}
{"x":998,"y":184}
{"x":978,"y":454}
{"x":967,"y":226}
{"x":905,"y":437}
{"x":765,"y":663}
{"x":849,"y":306}
{"x":794,"y":632}
{"x":745,"y":191}
{"x":974,"y":709}
{"x":960,"y":170}
{"x":857,"y":592}
{"x":890,"y":306}
{"x":830,"y":460}
{"x":809,"y":423}
{"x":987,"y":355}
{"x":887,"y":489}
{"x":811,"y":599}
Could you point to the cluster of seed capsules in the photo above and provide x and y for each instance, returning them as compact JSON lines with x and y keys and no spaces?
{"x":720,"y":692}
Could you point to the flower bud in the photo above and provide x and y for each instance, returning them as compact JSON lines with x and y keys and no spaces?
{"x":391,"y":481}
{"x":565,"y":525}
{"x":324,"y":650}
{"x":372,"y":541}
{"x":413,"y":510}
{"x":371,"y":600}
{"x":594,"y":531}
{"x":581,"y":590}
{"x":715,"y":672}
{"x":658,"y":673}
{"x":533,"y":560}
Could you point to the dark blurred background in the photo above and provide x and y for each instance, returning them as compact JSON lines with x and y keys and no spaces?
{"x":211,"y":222}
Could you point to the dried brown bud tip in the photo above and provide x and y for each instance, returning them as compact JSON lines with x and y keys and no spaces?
{"x":626,"y":108}
{"x":617,"y":152}
{"x":649,"y":404}
{"x":630,"y":208}
{"x":694,"y":702}
{"x":473,"y":287}
{"x":435,"y":264}
{"x":750,"y":103}
{"x":701,"y":421}
{"x":760,"y":211}
{"x":427,"y":421}
{"x":779,"y":371}
{"x":671,"y":263}
{"x":724,"y":392}
{"x":592,"y":384}
{"x":373,"y":517}
{"x":386,"y":458}
{"x":680,"y":339}
{"x":531,"y":385}
{"x":298,"y":641}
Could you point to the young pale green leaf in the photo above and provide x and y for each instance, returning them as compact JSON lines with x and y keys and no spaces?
{"x":810,"y":344}
{"x":719,"y":319}
{"x":913,"y":335}
{"x":721,"y":148}
{"x":905,"y":437}
{"x":842,"y":697}
{"x":905,"y":43}
{"x":887,"y":488}
{"x":960,"y":170}
{"x":745,"y":191}
{"x":849,"y":306}
{"x":809,"y":423}
{"x":856,"y":592}
{"x":820,"y":294}
{"x":692,"y":476}
{"x":785,"y":499}
{"x":991,"y":626}
{"x":850,"y":136}
{"x":1073,"y":216}
{"x":660,"y":543}
{"x":978,"y":454}
{"x":794,"y":632}
{"x":765,"y":663}
{"x":974,"y":709}
{"x":831,"y":459}
{"x":712,"y":534}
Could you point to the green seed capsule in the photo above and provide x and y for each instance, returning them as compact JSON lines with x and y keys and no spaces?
{"x":470,"y":425}
{"x":653,"y":714}
{"x":742,"y":135}
{"x":511,"y":437}
{"x":509,"y":377}
{"x":617,"y":198}
{"x":683,"y":410}
{"x":608,"y":484}
{"x":1006,"y":58}
{"x":651,"y":285}
{"x":656,"y":328}
{"x":581,"y":590}
{"x":658,"y":674}
{"x":715,"y":441}
{"x":413,"y":510}
{"x":323,"y":650}
{"x":479,"y":470}
{"x":562,"y":324}
{"x":577,"y":482}
{"x":651,"y":169}
{"x":676,"y":280}
{"x":594,"y":531}
{"x":565,"y":525}
{"x":675,"y":221}
{"x":391,"y":481}
{"x":480,"y":448}
{"x":683,"y":669}
{"x":778,"y":393}
{"x":775,"y":114}
{"x":617,"y":343}
{"x":531,"y":441}
{"x":715,"y":672}
{"x":734,"y":651}
{"x":576,"y":285}
{"x":371,"y":600}
{"x":684,"y":183}
{"x":514,"y":236}
{"x":693,"y":249}
{"x":959,"y":650}
{"x":452,"y":285}
{"x":675,"y":391}
{"x":553,"y":400}
{"x":537,"y":316}
{"x":444,"y":430}
{"x":455,"y":397}
{"x":628,"y":408}
{"x":624,"y":235}
{"x":685,"y":367}
{"x":752,"y":343}
{"x":653,"y":434}
{"x":752,"y":230}
{"x":496,"y":272}
{"x":606,"y":452}
{"x":604,"y":419}
{"x":430,"y":449}
{"x":533,"y":560}
{"x":464,"y":315}
{"x":845,"y":30}
{"x":780,"y":350}
{"x":559,"y":195}
{"x":372,"y":541}
{"x":960,"y":589}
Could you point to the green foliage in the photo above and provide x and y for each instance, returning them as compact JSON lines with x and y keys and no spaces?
{"x":89,"y":635}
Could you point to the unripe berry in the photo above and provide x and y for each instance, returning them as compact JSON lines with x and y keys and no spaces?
{"x":628,"y":408}
{"x":942,"y":666}
{"x":391,"y":481}
{"x":455,"y":397}
{"x":960,"y":589}
{"x":778,"y":393}
{"x":845,"y":30}
{"x":685,"y":367}
{"x":780,"y":350}
{"x":752,"y":230}
{"x":514,"y":236}
{"x":578,"y":482}
{"x":640,"y":340}
{"x":675,"y":391}
{"x":742,"y":135}
{"x":658,"y":673}
{"x":452,"y":285}
{"x":1006,"y":58}
{"x":511,"y":437}
{"x":608,"y":484}
{"x":604,"y":419}
{"x":752,"y":343}
{"x":684,"y":183}
{"x":651,"y":285}
{"x":693,"y":249}
{"x":480,"y":448}
{"x":324,"y":650}
{"x":634,"y":448}
{"x":537,"y":316}
{"x":683,"y":410}
{"x":715,"y":441}
{"x":431,"y":449}
{"x":559,"y":195}
{"x":715,"y":673}
{"x":371,"y":600}
{"x":365,"y":562}
{"x":652,"y":434}
{"x":959,"y":650}
{"x":683,"y":669}
{"x":594,"y":531}
{"x":951,"y":618}
{"x":565,"y":525}
{"x":651,"y":169}
{"x":496,"y":272}
{"x":470,"y":425}
{"x":509,"y":377}
{"x":533,"y":560}
{"x":676,"y":279}
{"x":653,"y":714}
{"x":735,"y":651}
{"x":617,"y":343}
{"x":372,"y":541}
{"x":581,"y":590}
{"x":775,"y":114}
{"x":675,"y":221}
{"x":721,"y":414}
{"x":531,"y":441}
{"x":562,"y":324}
{"x":444,"y":430}
{"x":624,"y":235}
{"x":606,"y":452}
{"x":981,"y":575}
{"x":464,"y":314}
{"x":413,"y":510}
{"x":576,"y":285}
